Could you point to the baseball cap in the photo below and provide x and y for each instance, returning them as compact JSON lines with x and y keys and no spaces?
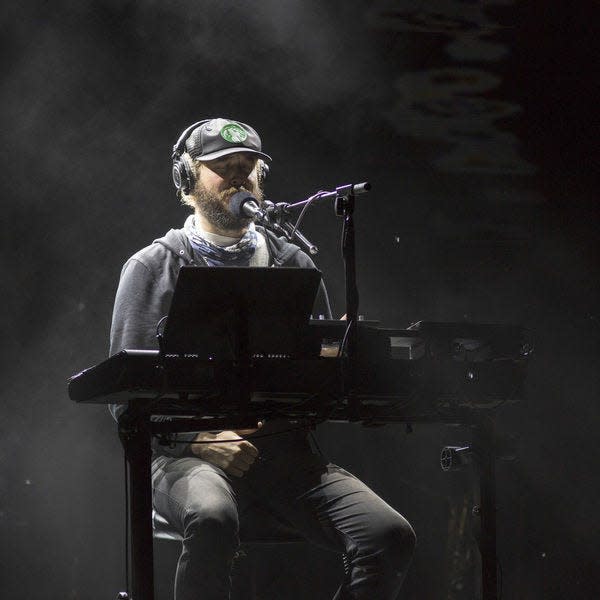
{"x":219,"y":137}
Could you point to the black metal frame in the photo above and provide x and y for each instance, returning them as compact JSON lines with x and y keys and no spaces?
{"x":136,"y":431}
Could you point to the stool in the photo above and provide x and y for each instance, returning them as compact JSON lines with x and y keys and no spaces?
{"x":162,"y":531}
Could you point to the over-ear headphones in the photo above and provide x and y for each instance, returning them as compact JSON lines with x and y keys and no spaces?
{"x":183,"y":174}
{"x":262,"y":170}
{"x":183,"y":171}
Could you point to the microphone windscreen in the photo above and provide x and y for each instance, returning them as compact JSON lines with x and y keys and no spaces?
{"x":237,"y":201}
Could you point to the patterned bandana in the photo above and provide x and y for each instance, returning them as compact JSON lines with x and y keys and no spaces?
{"x":237,"y":255}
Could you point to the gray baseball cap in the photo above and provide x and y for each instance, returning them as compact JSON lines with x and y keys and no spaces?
{"x":219,"y":137}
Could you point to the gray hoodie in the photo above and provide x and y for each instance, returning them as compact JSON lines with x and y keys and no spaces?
{"x":146,"y":288}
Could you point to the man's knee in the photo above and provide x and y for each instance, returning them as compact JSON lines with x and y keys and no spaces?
{"x":212,"y":523}
{"x":380,"y":566}
{"x":399,"y":541}
{"x":391,"y":546}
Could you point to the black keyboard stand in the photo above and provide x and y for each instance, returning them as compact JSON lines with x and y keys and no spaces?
{"x":484,"y":441}
{"x":136,"y":429}
{"x":135,"y":434}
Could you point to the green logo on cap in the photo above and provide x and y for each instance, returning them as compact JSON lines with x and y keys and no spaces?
{"x":234,"y":133}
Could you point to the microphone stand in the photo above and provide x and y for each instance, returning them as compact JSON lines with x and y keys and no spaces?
{"x":344,"y":207}
{"x":276,"y":219}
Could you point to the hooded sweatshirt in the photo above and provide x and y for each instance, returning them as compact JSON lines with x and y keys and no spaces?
{"x":146,"y":289}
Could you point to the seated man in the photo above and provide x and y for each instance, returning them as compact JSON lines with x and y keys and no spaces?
{"x":215,"y":486}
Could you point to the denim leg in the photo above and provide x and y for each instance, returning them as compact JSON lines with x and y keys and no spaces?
{"x":198,"y":501}
{"x":324,"y":503}
{"x":341,"y":513}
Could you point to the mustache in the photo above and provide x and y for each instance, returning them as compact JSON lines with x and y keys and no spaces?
{"x":226,"y":195}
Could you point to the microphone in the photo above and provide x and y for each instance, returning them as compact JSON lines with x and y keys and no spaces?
{"x":244,"y":205}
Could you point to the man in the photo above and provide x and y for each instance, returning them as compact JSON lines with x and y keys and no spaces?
{"x":215,"y":487}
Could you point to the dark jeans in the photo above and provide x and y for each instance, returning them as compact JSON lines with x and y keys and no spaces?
{"x":288,"y":484}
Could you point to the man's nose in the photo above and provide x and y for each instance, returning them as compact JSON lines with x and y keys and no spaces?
{"x":237,"y":178}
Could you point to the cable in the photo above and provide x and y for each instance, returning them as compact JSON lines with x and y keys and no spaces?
{"x":316,"y":443}
{"x":125,"y":470}
{"x":160,"y":322}
{"x":313,"y":395}
{"x":344,"y":339}
{"x":326,"y":298}
{"x":260,"y":435}
{"x":241,"y":439}
{"x":303,"y":211}
{"x":500,"y":582}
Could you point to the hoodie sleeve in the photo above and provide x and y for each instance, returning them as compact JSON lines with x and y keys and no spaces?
{"x":140,"y":303}
{"x":137,"y":310}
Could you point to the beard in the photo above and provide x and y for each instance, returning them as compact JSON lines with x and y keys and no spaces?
{"x":214,"y":206}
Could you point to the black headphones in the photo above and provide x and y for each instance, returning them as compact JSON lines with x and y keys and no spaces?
{"x":183,"y":171}
{"x":262,"y":170}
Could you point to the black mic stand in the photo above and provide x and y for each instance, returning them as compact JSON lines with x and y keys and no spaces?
{"x":344,"y":207}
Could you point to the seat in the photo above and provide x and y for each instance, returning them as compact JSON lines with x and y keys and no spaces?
{"x":162,"y":530}
{"x":246,"y":566}
{"x":277,"y":534}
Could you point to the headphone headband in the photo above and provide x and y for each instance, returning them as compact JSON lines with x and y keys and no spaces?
{"x":179,"y":144}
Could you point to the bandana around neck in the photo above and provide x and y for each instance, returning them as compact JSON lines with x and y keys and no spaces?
{"x":236,"y":255}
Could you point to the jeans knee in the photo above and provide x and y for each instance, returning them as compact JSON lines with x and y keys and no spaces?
{"x":378,"y":568}
{"x":216,"y":525}
{"x":400,"y":542}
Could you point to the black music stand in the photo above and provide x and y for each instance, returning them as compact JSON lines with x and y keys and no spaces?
{"x":233,"y":313}
{"x":217,"y":314}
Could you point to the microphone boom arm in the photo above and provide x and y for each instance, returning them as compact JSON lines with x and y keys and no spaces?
{"x":276,"y":219}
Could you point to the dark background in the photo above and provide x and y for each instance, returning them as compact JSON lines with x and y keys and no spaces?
{"x":474,"y":122}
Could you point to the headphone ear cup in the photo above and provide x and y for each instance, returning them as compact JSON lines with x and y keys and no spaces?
{"x":262,"y":171}
{"x":183,"y":174}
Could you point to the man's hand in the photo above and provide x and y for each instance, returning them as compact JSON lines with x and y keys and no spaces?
{"x":235,"y":458}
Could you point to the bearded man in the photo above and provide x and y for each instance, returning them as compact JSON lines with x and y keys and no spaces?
{"x":217,"y":487}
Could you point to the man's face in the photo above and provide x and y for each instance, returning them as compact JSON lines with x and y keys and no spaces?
{"x":217,"y":181}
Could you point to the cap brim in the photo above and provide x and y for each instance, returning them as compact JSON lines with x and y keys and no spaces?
{"x":227,"y":151}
